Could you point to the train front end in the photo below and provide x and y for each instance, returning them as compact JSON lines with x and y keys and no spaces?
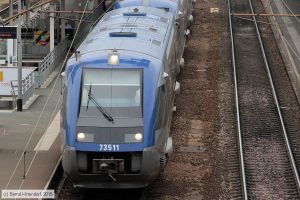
{"x":108,"y":125}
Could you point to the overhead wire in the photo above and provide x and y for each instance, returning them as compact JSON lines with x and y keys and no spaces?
{"x":261,"y":22}
{"x":71,"y":19}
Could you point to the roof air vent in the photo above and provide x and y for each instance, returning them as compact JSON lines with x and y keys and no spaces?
{"x":134,"y":14}
{"x":122,"y":34}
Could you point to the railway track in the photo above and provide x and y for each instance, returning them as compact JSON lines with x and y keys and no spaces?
{"x":267,"y":162}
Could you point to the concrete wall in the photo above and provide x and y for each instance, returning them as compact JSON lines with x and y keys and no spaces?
{"x":287,"y":34}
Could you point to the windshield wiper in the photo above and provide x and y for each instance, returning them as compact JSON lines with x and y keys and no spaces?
{"x":88,"y":102}
{"x":100,"y":108}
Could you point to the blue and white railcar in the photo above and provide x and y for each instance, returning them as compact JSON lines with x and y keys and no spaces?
{"x":118,"y":102}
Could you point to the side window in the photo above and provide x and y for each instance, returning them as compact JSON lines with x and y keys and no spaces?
{"x":161,"y":107}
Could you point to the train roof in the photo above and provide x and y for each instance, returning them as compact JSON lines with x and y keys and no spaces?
{"x":140,"y":29}
{"x":172,"y":5}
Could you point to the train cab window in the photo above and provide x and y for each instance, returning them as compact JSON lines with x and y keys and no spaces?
{"x":118,"y":91}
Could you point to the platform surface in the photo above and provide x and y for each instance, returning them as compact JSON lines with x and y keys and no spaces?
{"x":17,"y":132}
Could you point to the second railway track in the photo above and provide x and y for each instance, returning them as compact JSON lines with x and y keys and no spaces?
{"x":267,"y":160}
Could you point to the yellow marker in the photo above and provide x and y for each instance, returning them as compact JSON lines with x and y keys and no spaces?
{"x":1,"y":76}
{"x":214,"y":10}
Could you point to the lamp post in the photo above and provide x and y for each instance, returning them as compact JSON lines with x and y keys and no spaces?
{"x":19,"y":41}
{"x":11,"y":11}
{"x":52,"y":28}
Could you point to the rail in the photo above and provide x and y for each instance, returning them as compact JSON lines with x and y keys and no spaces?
{"x":240,"y":142}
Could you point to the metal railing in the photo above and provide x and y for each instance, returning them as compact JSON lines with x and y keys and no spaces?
{"x":53,"y":59}
{"x":28,"y":87}
{"x":36,"y":78}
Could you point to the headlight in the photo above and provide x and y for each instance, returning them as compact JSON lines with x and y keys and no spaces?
{"x":80,"y":136}
{"x":113,"y":58}
{"x":138,"y":137}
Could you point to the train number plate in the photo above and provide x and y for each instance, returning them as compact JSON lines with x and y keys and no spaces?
{"x":109,"y":147}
